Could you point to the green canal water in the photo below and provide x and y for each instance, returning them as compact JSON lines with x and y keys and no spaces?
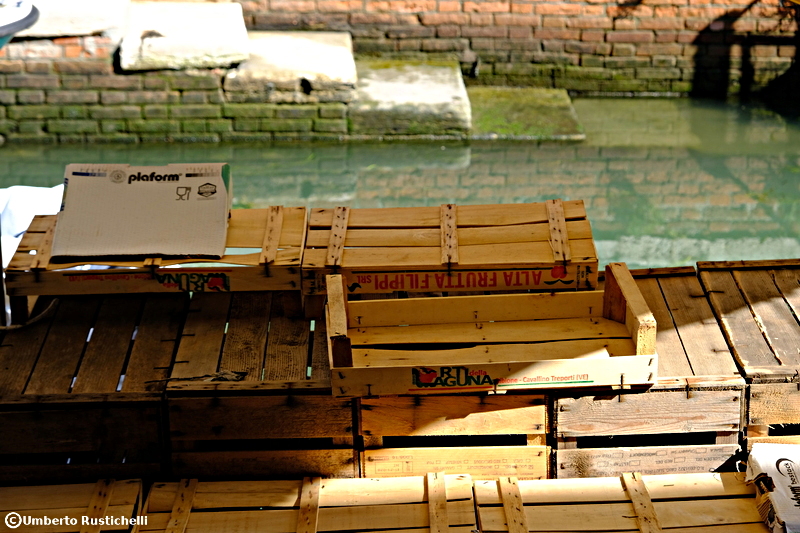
{"x":665,"y":182}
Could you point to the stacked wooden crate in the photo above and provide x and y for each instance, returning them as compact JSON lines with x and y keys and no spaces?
{"x":275,"y":417}
{"x":454,"y":249}
{"x":81,"y":389}
{"x":689,"y":421}
{"x":758,"y":305}
{"x":104,"y":506}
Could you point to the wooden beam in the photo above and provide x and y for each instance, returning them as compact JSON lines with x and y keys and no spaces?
{"x":98,"y":504}
{"x":272,"y":235}
{"x":43,"y":254}
{"x":182,"y":506}
{"x":559,"y":240}
{"x":339,"y":345}
{"x":308,"y":516}
{"x":623,"y":302}
{"x":646,"y":517}
{"x":336,"y":239}
{"x":449,"y":234}
{"x":512,"y":504}
{"x":437,"y":502}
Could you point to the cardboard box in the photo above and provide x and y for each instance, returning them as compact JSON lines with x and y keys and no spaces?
{"x":111,"y":210}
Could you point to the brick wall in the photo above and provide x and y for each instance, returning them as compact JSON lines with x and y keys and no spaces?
{"x":66,"y":90}
{"x":710,"y":47}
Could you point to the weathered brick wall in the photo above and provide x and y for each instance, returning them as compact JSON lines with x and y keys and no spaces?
{"x":665,"y":46}
{"x":66,"y":90}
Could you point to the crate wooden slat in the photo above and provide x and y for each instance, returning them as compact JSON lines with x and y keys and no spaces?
{"x":543,"y":246}
{"x":433,"y":421}
{"x":271,"y":261}
{"x":278,"y":420}
{"x":82,"y":387}
{"x":757,"y":304}
{"x":435,"y":502}
{"x":687,"y":503}
{"x":119,"y":500}
{"x":699,"y":392}
{"x":491,"y":342}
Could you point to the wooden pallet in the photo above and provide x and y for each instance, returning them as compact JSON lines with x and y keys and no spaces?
{"x":689,"y":421}
{"x":544,"y":246}
{"x":106,"y":505}
{"x":280,"y":419}
{"x":757,"y":303}
{"x":479,"y":435}
{"x":491,"y":342}
{"x":265,"y":250}
{"x":434,"y":502}
{"x":688,"y":503}
{"x":81,"y":389}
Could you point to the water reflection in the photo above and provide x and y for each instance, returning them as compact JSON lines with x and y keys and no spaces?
{"x":666,"y":182}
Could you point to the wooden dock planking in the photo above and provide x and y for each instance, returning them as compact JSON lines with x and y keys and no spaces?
{"x":246,"y":337}
{"x":203,"y":334}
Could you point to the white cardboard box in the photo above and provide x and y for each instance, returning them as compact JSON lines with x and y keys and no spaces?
{"x":111,"y":210}
{"x":775,"y":470}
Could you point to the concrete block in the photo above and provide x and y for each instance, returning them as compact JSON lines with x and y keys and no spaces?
{"x":323,"y":59}
{"x":410,"y":99}
{"x":79,"y":17}
{"x":181,"y":35}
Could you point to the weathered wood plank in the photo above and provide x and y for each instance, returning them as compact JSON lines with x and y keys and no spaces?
{"x":524,"y":462}
{"x":454,"y":415}
{"x":512,"y":504}
{"x":646,"y":516}
{"x":320,"y":366}
{"x":154,"y":347}
{"x":773,"y":403}
{"x":246,"y":340}
{"x":559,"y":238}
{"x":63,"y":348}
{"x":182,"y":506}
{"x":272,"y":463}
{"x":788,"y":282}
{"x":272,"y":235}
{"x":772,"y":313}
{"x":449,"y":234}
{"x":98,"y":505}
{"x":734,"y":314}
{"x":597,"y":462}
{"x":202,"y":336}
{"x":287,"y":346}
{"x":126,"y":492}
{"x":437,"y":502}
{"x":102,"y":364}
{"x":500,"y":307}
{"x":672,"y":360}
{"x":652,"y":412}
{"x":18,"y":354}
{"x":337,"y":236}
{"x":699,"y":331}
{"x":259,"y":417}
{"x":308,"y":515}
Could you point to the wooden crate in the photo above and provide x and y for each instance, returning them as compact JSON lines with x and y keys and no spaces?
{"x":434,"y":502}
{"x":481,"y":435}
{"x":689,"y":421}
{"x":757,"y":303}
{"x":279,"y":420}
{"x":265,"y":248}
{"x":544,"y":246}
{"x":106,"y":505}
{"x":80,"y":389}
{"x":491,"y":342}
{"x":687,"y":503}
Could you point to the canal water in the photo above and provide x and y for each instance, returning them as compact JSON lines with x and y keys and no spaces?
{"x":665,"y":182}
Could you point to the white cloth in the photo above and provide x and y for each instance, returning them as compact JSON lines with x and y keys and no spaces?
{"x":18,"y":206}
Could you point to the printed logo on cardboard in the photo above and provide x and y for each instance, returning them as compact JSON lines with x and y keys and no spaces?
{"x":207,"y":190}
{"x":117,"y":176}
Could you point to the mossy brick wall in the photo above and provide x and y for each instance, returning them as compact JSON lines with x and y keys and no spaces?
{"x":713,"y":47}
{"x":66,"y":90}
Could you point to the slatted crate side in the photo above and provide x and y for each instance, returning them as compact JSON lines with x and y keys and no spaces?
{"x":693,"y":429}
{"x":773,"y":413}
{"x":271,"y":239}
{"x":451,"y":433}
{"x":81,"y":400}
{"x":718,"y":503}
{"x":262,"y":436}
{"x":492,"y":348}
{"x":546,"y":246}
{"x":75,"y":503}
{"x":432,"y":502}
{"x":248,"y":341}
{"x":757,"y":304}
